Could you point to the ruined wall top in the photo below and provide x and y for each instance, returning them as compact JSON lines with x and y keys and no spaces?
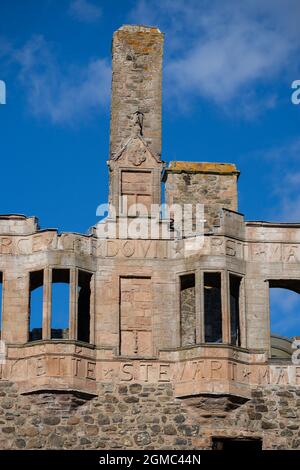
{"x":203,"y":167}
{"x":212,"y":184}
{"x":139,"y":28}
{"x":15,"y":224}
{"x":136,"y":87}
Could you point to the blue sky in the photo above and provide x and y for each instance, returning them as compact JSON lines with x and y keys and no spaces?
{"x":228,"y":69}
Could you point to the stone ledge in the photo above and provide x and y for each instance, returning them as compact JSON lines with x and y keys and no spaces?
{"x":202,"y":167}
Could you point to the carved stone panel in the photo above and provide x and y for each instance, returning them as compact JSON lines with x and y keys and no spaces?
{"x":137,"y":189}
{"x":136,"y":317}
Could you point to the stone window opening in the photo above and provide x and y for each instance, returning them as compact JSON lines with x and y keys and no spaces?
{"x":187,"y":310}
{"x":235,"y":319}
{"x":212,"y":307}
{"x":284,"y":305}
{"x":84,"y":306}
{"x":60,"y":304}
{"x":1,"y":300}
{"x":36,"y":290}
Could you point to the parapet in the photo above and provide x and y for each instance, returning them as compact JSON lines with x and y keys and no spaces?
{"x":16,"y":224}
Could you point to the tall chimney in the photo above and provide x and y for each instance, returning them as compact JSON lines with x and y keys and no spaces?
{"x":136,"y":86}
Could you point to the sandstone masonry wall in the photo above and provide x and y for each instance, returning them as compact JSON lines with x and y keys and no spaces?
{"x":145,"y":416}
{"x":136,"y":86}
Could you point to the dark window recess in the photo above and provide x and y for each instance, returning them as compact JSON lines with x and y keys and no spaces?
{"x":36,"y":288}
{"x":234,"y":287}
{"x":212,"y":308}
{"x":1,"y":300}
{"x":187,"y":310}
{"x":84,"y":304}
{"x":245,"y":445}
{"x":60,"y":304}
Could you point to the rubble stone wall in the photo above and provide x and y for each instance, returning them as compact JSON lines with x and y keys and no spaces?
{"x":145,"y":416}
{"x":211,"y":184}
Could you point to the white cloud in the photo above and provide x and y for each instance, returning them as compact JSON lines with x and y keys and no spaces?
{"x":63,"y":94}
{"x":287,"y":192}
{"x":289,"y":152}
{"x":221,"y":51}
{"x":285,"y":180}
{"x":85,"y":11}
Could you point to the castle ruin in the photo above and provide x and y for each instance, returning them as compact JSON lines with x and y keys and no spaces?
{"x":167,"y":344}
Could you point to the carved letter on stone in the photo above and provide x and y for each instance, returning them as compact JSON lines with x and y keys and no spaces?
{"x":163,"y":373}
{"x":232,"y":370}
{"x":198,"y":370}
{"x":76,"y":365}
{"x":55,"y":365}
{"x":291,"y":254}
{"x":128,"y":248}
{"x":281,"y":377}
{"x":217,"y":244}
{"x":297,"y":375}
{"x":127,"y":370}
{"x":230,"y":248}
{"x":90,"y":372}
{"x":264,"y":375}
{"x":146,"y":368}
{"x":259,"y":251}
{"x":111,"y":248}
{"x":40,"y":367}
{"x":215,"y":367}
{"x":5,"y":245}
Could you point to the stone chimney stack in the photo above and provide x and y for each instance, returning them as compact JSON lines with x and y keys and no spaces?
{"x":136,"y":87}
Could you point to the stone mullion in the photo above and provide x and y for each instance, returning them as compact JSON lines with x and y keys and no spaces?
{"x":242,"y":312}
{"x":73,"y":304}
{"x":47,"y":304}
{"x":92,"y":310}
{"x":266,"y":292}
{"x":199,"y":305}
{"x":179,"y":313}
{"x":225,"y":308}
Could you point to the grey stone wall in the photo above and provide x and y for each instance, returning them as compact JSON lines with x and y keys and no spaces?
{"x":145,"y":416}
{"x":188,"y":316}
{"x":211,"y":184}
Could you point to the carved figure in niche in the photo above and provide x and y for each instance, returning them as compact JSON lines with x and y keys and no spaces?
{"x":138,"y":122}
